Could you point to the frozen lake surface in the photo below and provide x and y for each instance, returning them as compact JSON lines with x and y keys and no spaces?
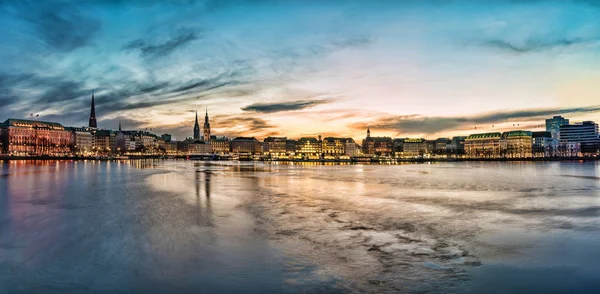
{"x":199,"y":227}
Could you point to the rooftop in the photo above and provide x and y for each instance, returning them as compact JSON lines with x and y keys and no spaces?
{"x":25,"y":123}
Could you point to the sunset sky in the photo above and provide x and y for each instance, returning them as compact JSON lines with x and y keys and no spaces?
{"x":404,"y":68}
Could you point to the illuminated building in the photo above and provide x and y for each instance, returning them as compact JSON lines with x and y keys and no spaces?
{"x":82,"y":140}
{"x":246,"y":145}
{"x":486,"y":145}
{"x":220,"y":144}
{"x":105,"y":141}
{"x":543,"y":144}
{"x":381,"y":146}
{"x":274,"y":145}
{"x":516,"y":144}
{"x":309,"y":147}
{"x":338,"y":147}
{"x":290,"y":147}
{"x":411,"y":148}
{"x":585,"y":133}
{"x":199,"y":148}
{"x":34,"y":138}
{"x":553,"y":125}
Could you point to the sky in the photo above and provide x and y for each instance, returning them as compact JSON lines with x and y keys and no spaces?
{"x":412,"y":68}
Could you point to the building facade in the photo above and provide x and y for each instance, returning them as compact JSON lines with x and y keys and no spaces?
{"x":82,"y":140}
{"x":246,"y":145}
{"x":543,"y":144}
{"x":274,"y":146}
{"x":309,"y":147}
{"x":34,"y":138}
{"x":485,"y":145}
{"x":585,"y":133}
{"x":553,"y":125}
{"x":220,"y":144}
{"x":516,"y":144}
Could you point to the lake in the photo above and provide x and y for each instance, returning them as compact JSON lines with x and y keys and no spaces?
{"x":178,"y":226}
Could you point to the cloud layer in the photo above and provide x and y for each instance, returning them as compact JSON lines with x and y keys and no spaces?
{"x":262,"y":65}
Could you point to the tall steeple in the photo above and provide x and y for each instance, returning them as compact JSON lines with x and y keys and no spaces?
{"x":206,"y":128}
{"x":93,"y":123}
{"x":196,"y":128}
{"x":119,"y":126}
{"x":368,"y":132}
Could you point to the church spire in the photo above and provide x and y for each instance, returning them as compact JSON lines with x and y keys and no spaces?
{"x":119,"y":126}
{"x":206,"y":127}
{"x":93,"y":123}
{"x":196,"y":128}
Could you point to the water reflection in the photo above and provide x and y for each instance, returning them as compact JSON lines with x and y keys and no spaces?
{"x":181,"y":226}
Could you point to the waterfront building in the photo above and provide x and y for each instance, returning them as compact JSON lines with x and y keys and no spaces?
{"x":22,"y":137}
{"x":543,"y":144}
{"x":456,"y":146}
{"x":412,"y":148}
{"x":196,"y":129}
{"x":274,"y":146}
{"x":440,"y":146}
{"x":332,"y":147}
{"x":309,"y":147}
{"x":220,"y":144}
{"x":82,"y":140}
{"x":516,"y":144}
{"x":246,"y":145}
{"x":206,"y":128}
{"x":93,"y":123}
{"x":380,"y":146}
{"x":585,"y":133}
{"x":553,"y":125}
{"x":429,"y":146}
{"x":485,"y":145}
{"x":169,"y":148}
{"x":105,"y":141}
{"x":199,"y":147}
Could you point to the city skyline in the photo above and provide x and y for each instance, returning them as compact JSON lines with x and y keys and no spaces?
{"x":411,"y":69}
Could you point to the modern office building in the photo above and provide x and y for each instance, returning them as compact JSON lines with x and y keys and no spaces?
{"x":485,"y":145}
{"x":585,"y":133}
{"x":516,"y":144}
{"x":22,"y":137}
{"x":543,"y":144}
{"x":553,"y":125}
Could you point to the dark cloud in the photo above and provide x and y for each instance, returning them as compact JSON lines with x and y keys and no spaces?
{"x":179,"y":39}
{"x":536,"y":45}
{"x":60,"y":25}
{"x":431,"y":125}
{"x":283,"y":106}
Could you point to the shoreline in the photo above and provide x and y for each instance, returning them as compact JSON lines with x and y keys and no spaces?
{"x":339,"y":161}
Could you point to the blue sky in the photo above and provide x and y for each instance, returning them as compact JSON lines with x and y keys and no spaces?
{"x":266,"y":67}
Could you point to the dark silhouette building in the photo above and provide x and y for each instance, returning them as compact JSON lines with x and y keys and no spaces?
{"x":93,"y":123}
{"x":196,"y":129}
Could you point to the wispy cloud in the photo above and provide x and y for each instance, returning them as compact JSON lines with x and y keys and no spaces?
{"x":432,"y":125}
{"x":537,"y":45}
{"x":283,"y":106}
{"x":160,"y":49}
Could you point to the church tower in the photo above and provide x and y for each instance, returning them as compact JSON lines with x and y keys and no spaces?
{"x":206,"y":128}
{"x":196,"y":129}
{"x":93,"y":123}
